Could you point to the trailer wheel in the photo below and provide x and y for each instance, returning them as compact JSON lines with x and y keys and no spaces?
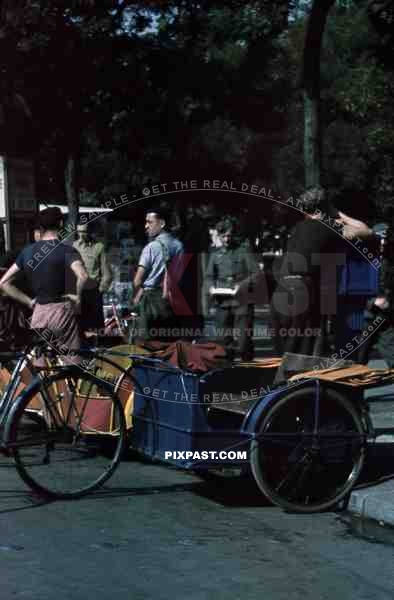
{"x":309,"y":450}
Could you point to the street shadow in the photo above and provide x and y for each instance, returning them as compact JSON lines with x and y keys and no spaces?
{"x":13,"y":500}
{"x":17,"y":500}
{"x":117,"y":492}
{"x":227,"y":491}
{"x":237,"y":492}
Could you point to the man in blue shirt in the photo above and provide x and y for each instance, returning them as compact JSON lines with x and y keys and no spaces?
{"x":156,"y":313}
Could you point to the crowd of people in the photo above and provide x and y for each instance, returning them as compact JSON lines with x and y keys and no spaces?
{"x":60,"y":286}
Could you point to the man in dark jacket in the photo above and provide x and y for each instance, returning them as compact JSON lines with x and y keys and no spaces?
{"x":296,"y":302}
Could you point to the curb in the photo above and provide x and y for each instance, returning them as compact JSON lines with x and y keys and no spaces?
{"x":375,"y":502}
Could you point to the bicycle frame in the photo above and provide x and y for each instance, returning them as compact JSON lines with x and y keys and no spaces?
{"x":8,"y":395}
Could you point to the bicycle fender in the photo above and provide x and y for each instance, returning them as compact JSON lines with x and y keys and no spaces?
{"x":260,"y":408}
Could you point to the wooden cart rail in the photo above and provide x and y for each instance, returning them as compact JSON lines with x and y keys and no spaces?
{"x":354,"y":376}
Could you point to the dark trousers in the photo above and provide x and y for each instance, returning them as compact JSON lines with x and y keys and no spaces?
{"x":156,"y":317}
{"x":295,"y":310}
{"x":92,"y":313}
{"x":233,"y":320}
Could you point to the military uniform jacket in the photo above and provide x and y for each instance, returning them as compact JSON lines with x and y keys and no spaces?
{"x":231,"y":266}
{"x":96,"y":262}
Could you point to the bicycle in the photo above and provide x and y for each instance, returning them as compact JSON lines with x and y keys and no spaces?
{"x":51,"y":427}
{"x":306,"y":443}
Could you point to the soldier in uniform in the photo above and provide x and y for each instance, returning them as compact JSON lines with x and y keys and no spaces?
{"x":100,"y":277}
{"x":231,"y":268}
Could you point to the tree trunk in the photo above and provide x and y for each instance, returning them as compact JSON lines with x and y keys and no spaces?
{"x":311,"y":90}
{"x":71,"y":181}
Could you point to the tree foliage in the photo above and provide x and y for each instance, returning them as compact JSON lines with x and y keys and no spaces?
{"x":357,"y":87}
{"x":133,"y":92}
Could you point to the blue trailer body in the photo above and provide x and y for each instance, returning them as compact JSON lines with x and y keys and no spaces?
{"x":171,"y":413}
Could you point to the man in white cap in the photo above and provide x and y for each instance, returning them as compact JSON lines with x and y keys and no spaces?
{"x":100,"y":278}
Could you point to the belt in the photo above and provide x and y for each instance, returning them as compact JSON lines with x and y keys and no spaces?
{"x":55,"y":301}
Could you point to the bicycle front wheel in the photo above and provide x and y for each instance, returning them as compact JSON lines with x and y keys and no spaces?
{"x":309,"y":450}
{"x":67,"y":434}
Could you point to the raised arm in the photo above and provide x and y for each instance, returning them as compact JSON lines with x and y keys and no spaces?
{"x":352,"y":228}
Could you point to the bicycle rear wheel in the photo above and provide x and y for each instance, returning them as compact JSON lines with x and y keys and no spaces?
{"x":308,"y":451}
{"x":67,"y":434}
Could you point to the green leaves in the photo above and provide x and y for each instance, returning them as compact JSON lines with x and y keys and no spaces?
{"x":151,"y":88}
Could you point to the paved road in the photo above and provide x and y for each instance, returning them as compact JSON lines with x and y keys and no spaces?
{"x":157,"y":533}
